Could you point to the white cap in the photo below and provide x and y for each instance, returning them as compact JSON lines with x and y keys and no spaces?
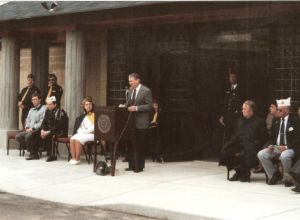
{"x":284,"y":102}
{"x":51,"y":99}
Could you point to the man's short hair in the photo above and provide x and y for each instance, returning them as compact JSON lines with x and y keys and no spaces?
{"x":135,"y":76}
{"x":52,"y":75}
{"x":36,"y":94}
{"x":30,"y":76}
{"x":251,"y":105}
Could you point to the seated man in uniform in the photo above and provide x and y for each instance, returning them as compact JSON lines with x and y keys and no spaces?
{"x":284,"y":143}
{"x":55,"y":124}
{"x":30,"y":137}
{"x":241,"y":150}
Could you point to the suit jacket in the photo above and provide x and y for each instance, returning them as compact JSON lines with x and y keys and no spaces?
{"x":250,"y":133}
{"x":56,"y":121}
{"x":57,"y":91}
{"x":27,"y":100}
{"x":143,"y":102}
{"x":232,"y":102}
{"x":292,"y":133}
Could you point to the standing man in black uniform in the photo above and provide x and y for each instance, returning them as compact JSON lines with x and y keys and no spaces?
{"x":24,"y":99}
{"x":54,"y":89}
{"x":55,"y":123}
{"x":231,"y":106}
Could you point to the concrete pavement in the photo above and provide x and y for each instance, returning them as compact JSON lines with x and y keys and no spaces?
{"x":179,"y":190}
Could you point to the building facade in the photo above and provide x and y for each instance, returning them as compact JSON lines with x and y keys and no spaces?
{"x":182,"y":50}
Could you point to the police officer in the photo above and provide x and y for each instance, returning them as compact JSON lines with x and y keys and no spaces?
{"x":24,"y":99}
{"x":231,"y":108}
{"x":55,"y":124}
{"x":53,"y":89}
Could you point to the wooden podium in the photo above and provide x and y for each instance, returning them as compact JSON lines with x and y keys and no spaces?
{"x":110,"y":126}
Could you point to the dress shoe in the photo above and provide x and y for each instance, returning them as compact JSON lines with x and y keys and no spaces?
{"x":235,"y":177}
{"x":245,"y":179}
{"x":128,"y":169}
{"x":275,"y":178}
{"x":138,"y":171}
{"x":296,"y":189}
{"x":51,"y":158}
{"x":288,"y":184}
{"x":33,"y":157}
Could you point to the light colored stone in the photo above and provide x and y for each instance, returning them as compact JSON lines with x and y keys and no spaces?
{"x":74,"y":75}
{"x":9,"y":84}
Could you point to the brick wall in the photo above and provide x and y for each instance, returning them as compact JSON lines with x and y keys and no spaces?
{"x":130,"y":50}
{"x":285,"y":65}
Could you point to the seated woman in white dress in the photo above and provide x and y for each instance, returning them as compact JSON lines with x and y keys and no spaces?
{"x":83,"y":130}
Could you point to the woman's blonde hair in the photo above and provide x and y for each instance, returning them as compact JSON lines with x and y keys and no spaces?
{"x":87,"y":99}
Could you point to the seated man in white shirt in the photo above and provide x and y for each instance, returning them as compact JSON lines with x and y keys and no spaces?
{"x":284,"y":143}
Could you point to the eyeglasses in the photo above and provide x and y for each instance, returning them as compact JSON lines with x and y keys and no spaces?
{"x":279,"y":110}
{"x":51,"y":80}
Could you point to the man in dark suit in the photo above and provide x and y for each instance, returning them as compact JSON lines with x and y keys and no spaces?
{"x":231,"y":104}
{"x":53,"y":89}
{"x":241,"y":150}
{"x":55,"y":123}
{"x":284,"y":143}
{"x":25,"y":98}
{"x":139,"y":104}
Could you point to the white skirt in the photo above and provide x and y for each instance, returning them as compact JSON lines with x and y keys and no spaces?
{"x":83,"y":138}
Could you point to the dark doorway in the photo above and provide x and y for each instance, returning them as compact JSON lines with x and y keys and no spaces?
{"x":190,"y":89}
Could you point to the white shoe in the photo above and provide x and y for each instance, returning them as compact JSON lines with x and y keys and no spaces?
{"x":72,"y":162}
{"x":77,"y":162}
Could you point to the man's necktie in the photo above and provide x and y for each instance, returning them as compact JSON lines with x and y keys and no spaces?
{"x":133,"y":97}
{"x":281,"y":138}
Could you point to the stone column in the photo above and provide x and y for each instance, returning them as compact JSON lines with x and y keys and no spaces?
{"x":40,"y":62}
{"x":74,"y":75}
{"x":9,"y":87}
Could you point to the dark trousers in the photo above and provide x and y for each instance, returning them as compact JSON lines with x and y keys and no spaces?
{"x":295,"y":172}
{"x":230,"y":120}
{"x":246,"y":159}
{"x":30,"y":140}
{"x":137,"y":149}
{"x":154,"y":142}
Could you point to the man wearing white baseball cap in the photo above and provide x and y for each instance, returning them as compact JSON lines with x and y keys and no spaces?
{"x":55,"y":124}
{"x":284,"y":142}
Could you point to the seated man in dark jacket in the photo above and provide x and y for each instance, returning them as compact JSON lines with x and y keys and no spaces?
{"x":241,"y":150}
{"x":55,"y":124}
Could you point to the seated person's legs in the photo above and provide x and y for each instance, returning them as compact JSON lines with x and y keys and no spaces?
{"x":265,"y":157}
{"x":286,"y":160}
{"x":248,"y":160}
{"x":229,"y":159}
{"x":20,"y":137}
{"x":32,"y":140}
{"x":76,"y":143}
